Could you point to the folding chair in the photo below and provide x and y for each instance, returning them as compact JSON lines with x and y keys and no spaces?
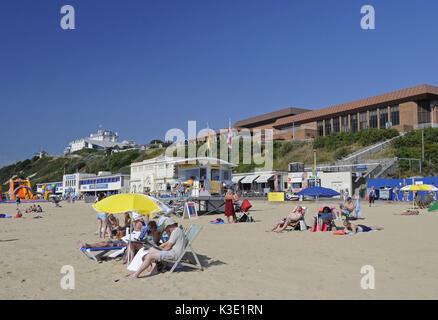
{"x":189,"y":237}
{"x":103,"y":250}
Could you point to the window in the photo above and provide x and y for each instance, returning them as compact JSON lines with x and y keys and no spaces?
{"x":345,"y":124}
{"x":373,"y":118}
{"x":215,"y":174}
{"x":328,"y":127}
{"x":363,"y":120}
{"x":424,"y":108}
{"x":336,"y":124}
{"x":383,"y":117}
{"x":395,"y":115}
{"x":353,"y":122}
{"x":320,"y":128}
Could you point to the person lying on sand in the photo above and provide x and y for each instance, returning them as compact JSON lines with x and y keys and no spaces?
{"x":350,"y":227}
{"x":282,"y":224}
{"x":171,"y":249}
{"x":409,"y":213}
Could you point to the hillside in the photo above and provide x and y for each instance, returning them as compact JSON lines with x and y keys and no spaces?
{"x":51,"y":168}
{"x":329,"y":149}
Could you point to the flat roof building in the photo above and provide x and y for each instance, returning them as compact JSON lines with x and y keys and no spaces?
{"x":403,"y":110}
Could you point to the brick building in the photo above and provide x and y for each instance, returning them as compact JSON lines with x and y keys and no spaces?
{"x":403,"y":110}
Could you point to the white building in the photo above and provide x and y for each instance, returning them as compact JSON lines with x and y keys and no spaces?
{"x":333,"y":180}
{"x":89,"y":184}
{"x":261,"y":181}
{"x":101,"y":140}
{"x":161,"y":173}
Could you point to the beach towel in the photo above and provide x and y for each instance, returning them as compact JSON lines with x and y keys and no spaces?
{"x":217,"y":221}
{"x":138,"y":260}
{"x":351,"y":233}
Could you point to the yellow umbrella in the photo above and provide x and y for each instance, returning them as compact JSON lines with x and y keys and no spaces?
{"x":133,"y":202}
{"x":417,"y":187}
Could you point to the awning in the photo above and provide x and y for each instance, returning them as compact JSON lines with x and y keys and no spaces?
{"x":264,"y":178}
{"x":248,"y":179}
{"x":237,"y":179}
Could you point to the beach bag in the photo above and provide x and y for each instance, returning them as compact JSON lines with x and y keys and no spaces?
{"x":246,"y":205}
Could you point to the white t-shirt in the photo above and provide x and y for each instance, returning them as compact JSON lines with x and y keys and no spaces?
{"x":177,"y":241}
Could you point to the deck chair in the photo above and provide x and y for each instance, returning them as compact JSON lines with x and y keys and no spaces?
{"x":119,"y":250}
{"x":300,"y":224}
{"x":89,"y":252}
{"x":189,"y":237}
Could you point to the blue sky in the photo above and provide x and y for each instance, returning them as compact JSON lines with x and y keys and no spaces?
{"x":143,"y":67}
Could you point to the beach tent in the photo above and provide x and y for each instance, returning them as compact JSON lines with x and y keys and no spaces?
{"x":434,"y":207}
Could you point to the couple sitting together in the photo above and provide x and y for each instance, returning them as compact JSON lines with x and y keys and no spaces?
{"x":141,"y":258}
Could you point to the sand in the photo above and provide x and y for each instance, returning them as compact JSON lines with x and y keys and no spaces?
{"x":241,"y":261}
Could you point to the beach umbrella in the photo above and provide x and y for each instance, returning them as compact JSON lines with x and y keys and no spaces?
{"x":433,"y":207}
{"x":418,"y":187}
{"x":131,"y":202}
{"x":318,"y":192}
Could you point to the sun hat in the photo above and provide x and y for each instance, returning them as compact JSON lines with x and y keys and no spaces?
{"x":169,"y":222}
{"x":136,"y":216}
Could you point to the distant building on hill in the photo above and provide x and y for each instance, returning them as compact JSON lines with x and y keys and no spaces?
{"x":403,"y":110}
{"x":101,"y":140}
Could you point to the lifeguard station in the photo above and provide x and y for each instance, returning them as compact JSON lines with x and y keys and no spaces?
{"x":202,"y":180}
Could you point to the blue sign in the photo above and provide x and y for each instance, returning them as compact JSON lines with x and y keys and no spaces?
{"x":98,"y":186}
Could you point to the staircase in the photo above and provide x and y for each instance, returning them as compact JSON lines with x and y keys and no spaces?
{"x":362,"y":153}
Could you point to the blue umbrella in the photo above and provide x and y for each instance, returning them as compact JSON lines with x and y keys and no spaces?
{"x":318,"y":192}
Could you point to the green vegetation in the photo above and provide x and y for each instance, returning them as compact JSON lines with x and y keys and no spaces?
{"x":51,"y":168}
{"x":345,"y":139}
{"x":409,"y":146}
{"x":329,"y":149}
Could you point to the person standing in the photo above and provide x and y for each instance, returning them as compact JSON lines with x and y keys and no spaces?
{"x":395,"y":191}
{"x":372,"y":195}
{"x":17,"y":200}
{"x":342,"y":194}
{"x":229,"y":206}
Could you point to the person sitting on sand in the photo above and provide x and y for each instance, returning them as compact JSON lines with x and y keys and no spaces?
{"x":152,"y":237}
{"x":350,"y":227}
{"x":282,"y":224}
{"x":39,"y":209}
{"x":171,"y":249}
{"x":345,"y":209}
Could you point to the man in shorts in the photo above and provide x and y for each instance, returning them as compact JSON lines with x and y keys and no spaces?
{"x":171,"y":249}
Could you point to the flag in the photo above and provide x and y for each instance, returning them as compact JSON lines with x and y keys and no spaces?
{"x":230,"y":135}
{"x":208,"y":138}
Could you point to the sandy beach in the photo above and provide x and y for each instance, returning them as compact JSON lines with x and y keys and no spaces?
{"x":241,"y":261}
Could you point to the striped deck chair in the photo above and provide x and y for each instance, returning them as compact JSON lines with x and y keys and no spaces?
{"x":190,"y":234}
{"x":88,"y":252}
{"x":119,"y":250}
